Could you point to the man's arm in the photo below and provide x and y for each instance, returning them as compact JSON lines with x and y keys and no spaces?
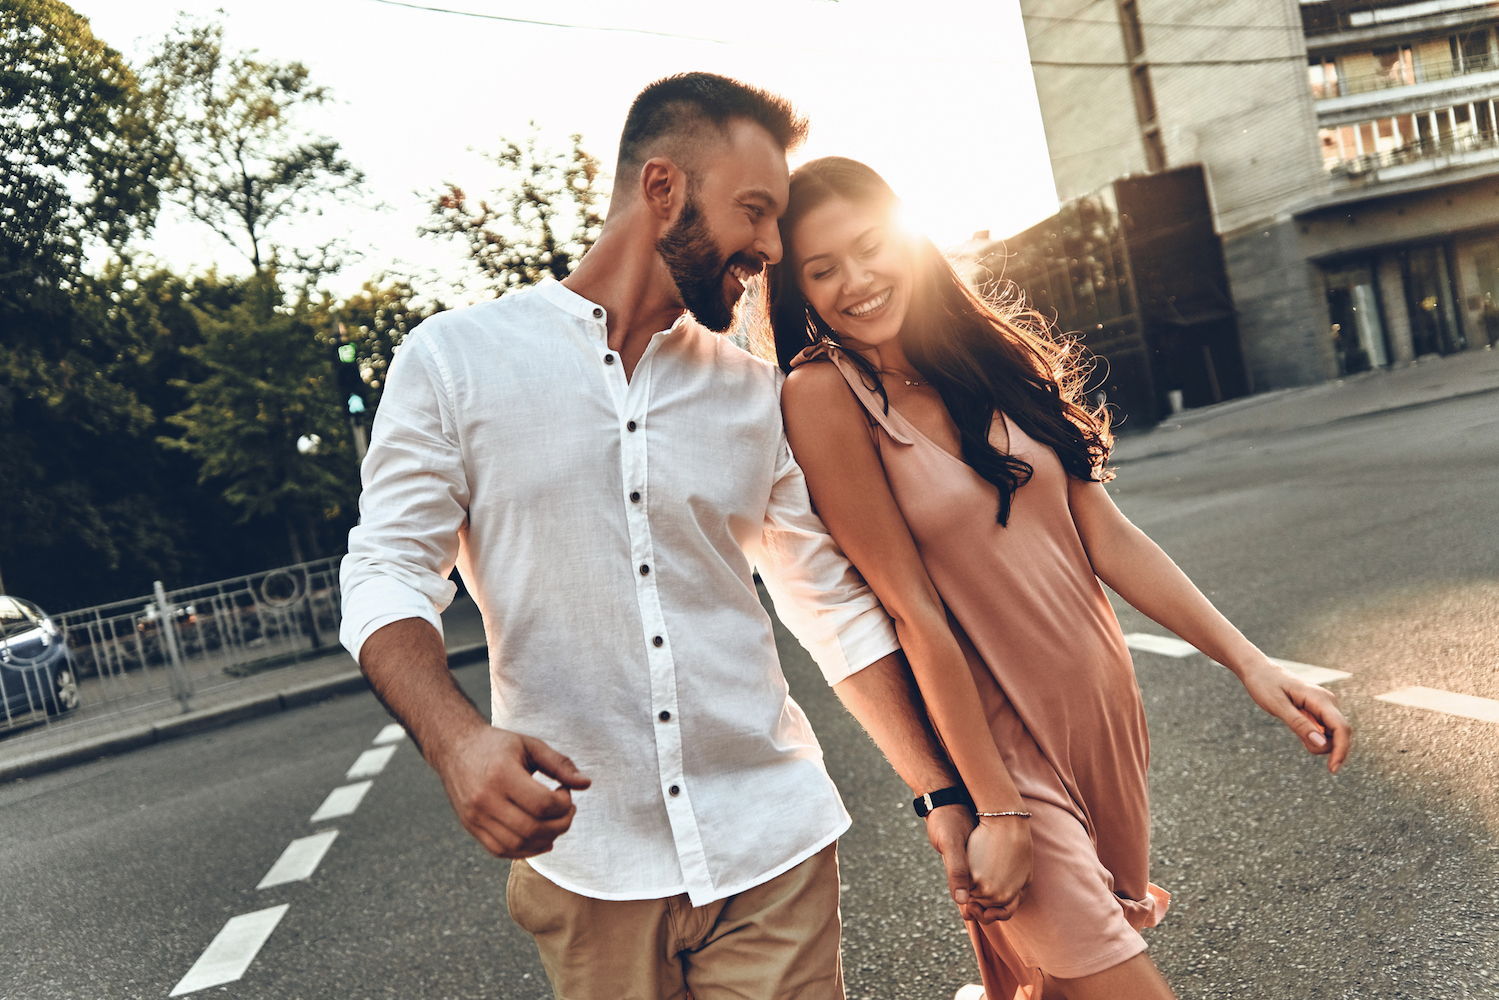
{"x":395,"y":585}
{"x":487,"y":772}
{"x":884,"y":699}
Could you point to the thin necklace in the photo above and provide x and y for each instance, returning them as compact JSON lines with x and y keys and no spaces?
{"x":908,"y":381}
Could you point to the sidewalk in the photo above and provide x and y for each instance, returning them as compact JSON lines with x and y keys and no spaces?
{"x":1430,"y":380}
{"x":86,"y":735}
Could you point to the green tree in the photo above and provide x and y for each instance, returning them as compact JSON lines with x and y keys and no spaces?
{"x":543,"y":220}
{"x":265,"y":383}
{"x":376,"y":319}
{"x":241,"y":161}
{"x":77,"y":179}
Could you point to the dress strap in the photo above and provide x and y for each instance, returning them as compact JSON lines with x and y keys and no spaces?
{"x":891,"y":422}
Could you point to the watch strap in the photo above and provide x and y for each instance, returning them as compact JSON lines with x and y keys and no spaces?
{"x":951,"y":796}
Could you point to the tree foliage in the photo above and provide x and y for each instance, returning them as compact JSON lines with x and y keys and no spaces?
{"x":265,"y":382}
{"x":241,"y":162}
{"x":377,"y":319}
{"x":544,"y":218}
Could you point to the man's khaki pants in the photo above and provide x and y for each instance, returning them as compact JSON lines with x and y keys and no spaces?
{"x":776,"y":941}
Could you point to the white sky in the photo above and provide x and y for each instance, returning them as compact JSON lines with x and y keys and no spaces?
{"x":936,"y":95}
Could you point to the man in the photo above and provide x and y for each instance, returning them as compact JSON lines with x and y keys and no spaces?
{"x":605,"y":472}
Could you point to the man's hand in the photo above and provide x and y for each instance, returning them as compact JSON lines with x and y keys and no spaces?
{"x":487,"y":774}
{"x":948,"y":829}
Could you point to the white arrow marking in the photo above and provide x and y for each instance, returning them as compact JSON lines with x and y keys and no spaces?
{"x":1310,"y":673}
{"x":392,"y":733}
{"x":1164,"y":645}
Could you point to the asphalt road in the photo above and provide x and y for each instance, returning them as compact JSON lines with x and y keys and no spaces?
{"x":1366,"y":545}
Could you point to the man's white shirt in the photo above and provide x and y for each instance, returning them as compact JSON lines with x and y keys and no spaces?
{"x":608,"y":530}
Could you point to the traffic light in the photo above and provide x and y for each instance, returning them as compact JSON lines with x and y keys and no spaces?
{"x":351,"y":387}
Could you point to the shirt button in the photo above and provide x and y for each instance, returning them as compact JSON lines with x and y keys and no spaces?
{"x":664,"y":715}
{"x":630,"y":426}
{"x":645,"y":570}
{"x":598,"y":313}
{"x":674,"y":790}
{"x":608,"y":359}
{"x":635,"y":496}
{"x":658,"y":642}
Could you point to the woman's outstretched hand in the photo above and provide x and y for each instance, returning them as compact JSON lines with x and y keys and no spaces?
{"x":1309,"y":711}
{"x":999,"y":861}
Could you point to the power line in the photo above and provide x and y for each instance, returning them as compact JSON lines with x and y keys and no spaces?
{"x":548,"y":24}
{"x":1164,"y":24}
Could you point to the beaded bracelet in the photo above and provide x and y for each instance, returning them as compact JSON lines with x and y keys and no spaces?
{"x":1011,"y":812}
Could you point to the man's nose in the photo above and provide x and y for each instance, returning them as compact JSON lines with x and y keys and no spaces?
{"x":768,"y":246}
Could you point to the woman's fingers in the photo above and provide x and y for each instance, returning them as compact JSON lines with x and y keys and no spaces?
{"x":1335,"y":735}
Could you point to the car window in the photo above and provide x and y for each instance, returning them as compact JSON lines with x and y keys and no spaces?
{"x":13,"y":619}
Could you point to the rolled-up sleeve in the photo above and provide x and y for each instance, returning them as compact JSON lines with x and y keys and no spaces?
{"x":413,"y":505}
{"x":817,"y":593}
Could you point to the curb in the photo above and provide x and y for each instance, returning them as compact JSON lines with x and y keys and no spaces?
{"x":148,"y":733}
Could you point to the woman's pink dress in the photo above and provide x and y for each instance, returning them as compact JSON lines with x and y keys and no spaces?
{"x":1059,"y":689}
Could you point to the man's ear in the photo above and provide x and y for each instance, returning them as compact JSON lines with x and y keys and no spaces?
{"x":662,"y":185}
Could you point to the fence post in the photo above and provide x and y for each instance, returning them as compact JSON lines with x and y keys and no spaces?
{"x":166,"y":621}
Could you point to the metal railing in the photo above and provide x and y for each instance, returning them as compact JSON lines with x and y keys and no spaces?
{"x":1432,"y":151}
{"x":173,"y":643}
{"x":1433,"y":73}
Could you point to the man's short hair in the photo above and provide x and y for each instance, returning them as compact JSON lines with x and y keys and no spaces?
{"x":670,"y":116}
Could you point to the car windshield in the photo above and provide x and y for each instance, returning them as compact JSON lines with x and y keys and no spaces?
{"x":13,"y":619}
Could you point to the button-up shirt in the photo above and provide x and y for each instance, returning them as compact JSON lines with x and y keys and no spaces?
{"x":608,"y":529}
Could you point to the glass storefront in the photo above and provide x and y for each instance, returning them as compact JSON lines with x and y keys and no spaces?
{"x":1431,"y":301}
{"x":1357,"y":328}
{"x":1486,"y":263}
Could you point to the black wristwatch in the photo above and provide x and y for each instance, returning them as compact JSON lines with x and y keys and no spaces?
{"x":956,"y":795}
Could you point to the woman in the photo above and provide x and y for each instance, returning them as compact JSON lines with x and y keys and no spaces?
{"x":945,"y":446}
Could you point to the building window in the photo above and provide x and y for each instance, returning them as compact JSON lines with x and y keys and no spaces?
{"x":1323,"y":77}
{"x":1129,"y":20}
{"x":1144,"y":95}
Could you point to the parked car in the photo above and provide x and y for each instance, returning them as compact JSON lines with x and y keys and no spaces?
{"x":37,"y":678}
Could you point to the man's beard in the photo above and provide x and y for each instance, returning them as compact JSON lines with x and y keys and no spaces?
{"x":697,"y":269}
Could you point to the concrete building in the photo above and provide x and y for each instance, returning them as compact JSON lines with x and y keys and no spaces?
{"x":1350,"y":148}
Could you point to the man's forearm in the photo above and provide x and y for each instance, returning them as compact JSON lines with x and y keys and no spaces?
{"x":407,"y":666}
{"x":884,"y":698}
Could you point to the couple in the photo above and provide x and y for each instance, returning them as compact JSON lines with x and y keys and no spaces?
{"x":606,"y":470}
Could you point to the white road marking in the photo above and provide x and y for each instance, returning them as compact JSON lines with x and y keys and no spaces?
{"x":1164,"y":645}
{"x":392,"y":733}
{"x":370,"y":763}
{"x":1311,"y":674}
{"x":230,"y":953}
{"x":1466,"y":705}
{"x":299,"y":860}
{"x":341,"y":801}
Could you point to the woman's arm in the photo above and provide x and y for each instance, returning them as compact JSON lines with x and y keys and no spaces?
{"x":1137,"y":569}
{"x":828,"y":434}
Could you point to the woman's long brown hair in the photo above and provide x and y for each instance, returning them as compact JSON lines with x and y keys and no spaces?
{"x":981,"y":356}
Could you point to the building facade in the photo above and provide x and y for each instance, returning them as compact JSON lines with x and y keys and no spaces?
{"x":1350,"y":148}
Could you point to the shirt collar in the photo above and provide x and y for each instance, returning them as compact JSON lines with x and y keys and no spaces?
{"x":571,"y":302}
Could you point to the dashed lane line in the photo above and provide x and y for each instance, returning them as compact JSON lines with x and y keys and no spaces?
{"x":341,"y":801}
{"x":371,"y":762}
{"x":1466,"y":705}
{"x":299,"y":860}
{"x":1311,"y":674}
{"x":1164,"y":645}
{"x":231,"y":951}
{"x":392,"y":733}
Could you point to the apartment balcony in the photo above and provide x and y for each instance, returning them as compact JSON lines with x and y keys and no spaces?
{"x":1419,"y":159}
{"x":1344,"y":23}
{"x":1375,"y":94}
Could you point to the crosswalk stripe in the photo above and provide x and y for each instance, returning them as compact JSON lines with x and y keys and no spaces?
{"x":232,"y":950}
{"x":371,"y":762}
{"x":1466,"y":705}
{"x":1311,"y":674}
{"x":392,"y":733}
{"x":1164,"y":645}
{"x":299,"y":860}
{"x":341,"y":801}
